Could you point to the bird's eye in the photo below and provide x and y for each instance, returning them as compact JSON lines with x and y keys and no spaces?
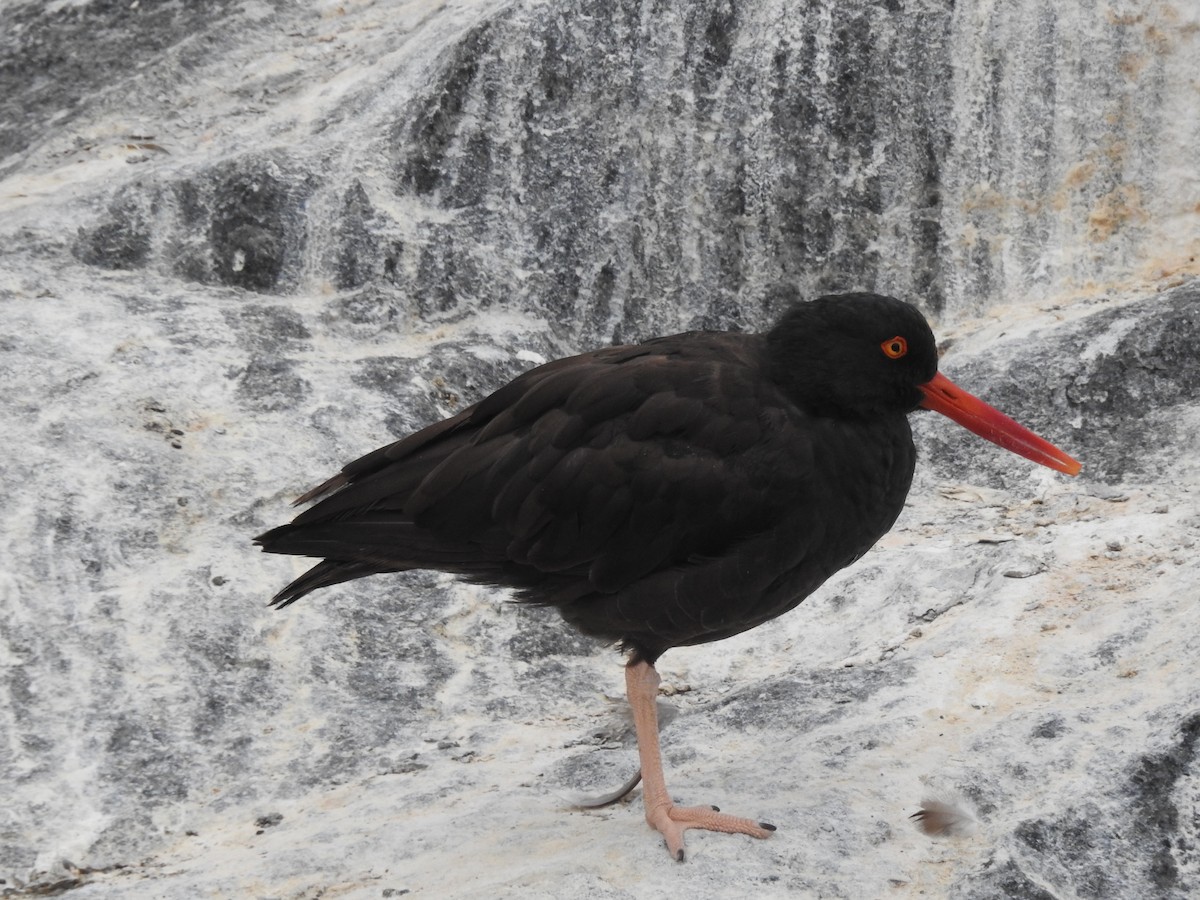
{"x":895,"y":347}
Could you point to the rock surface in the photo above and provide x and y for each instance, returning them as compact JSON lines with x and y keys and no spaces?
{"x":243,"y":243}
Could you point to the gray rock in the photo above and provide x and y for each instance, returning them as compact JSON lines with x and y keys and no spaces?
{"x":244,"y":243}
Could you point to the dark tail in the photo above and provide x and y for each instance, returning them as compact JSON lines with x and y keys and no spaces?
{"x":290,"y":539}
{"x":323,"y":574}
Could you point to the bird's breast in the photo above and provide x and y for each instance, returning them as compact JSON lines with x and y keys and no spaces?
{"x":859,"y":478}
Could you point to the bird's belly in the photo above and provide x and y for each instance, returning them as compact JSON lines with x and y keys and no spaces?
{"x":837,"y":518}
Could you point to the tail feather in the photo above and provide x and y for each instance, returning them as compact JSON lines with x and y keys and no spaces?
{"x":323,"y":574}
{"x":386,"y":541}
{"x":376,"y":542}
{"x":360,"y":527}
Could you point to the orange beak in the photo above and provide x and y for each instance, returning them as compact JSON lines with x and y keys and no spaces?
{"x":944,"y":396}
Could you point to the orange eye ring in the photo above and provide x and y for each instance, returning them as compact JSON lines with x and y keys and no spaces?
{"x":894,"y":347}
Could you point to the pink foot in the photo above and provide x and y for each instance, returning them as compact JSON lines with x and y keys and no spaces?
{"x":672,"y":821}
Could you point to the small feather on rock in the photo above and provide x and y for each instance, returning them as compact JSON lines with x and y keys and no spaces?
{"x":937,"y":818}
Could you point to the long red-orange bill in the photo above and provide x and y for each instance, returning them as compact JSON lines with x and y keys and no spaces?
{"x":944,"y":396}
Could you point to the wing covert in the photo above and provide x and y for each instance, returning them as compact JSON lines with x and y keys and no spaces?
{"x":605,"y":467}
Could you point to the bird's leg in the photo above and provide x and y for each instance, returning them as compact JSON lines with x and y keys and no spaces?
{"x":641,"y":685}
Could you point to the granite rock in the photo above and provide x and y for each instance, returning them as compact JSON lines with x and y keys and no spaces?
{"x":242,"y":243}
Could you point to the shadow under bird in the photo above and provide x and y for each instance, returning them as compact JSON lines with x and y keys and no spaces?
{"x":661,"y":494}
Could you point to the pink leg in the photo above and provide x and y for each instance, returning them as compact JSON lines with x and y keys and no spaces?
{"x":641,"y":685}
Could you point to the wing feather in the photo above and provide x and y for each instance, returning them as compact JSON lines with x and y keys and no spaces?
{"x":596,"y":475}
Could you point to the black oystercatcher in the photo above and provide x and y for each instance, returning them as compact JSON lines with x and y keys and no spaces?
{"x":663,"y":494}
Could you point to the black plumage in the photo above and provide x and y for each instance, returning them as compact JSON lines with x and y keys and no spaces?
{"x":668,"y":493}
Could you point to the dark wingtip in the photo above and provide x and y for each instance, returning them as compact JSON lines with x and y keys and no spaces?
{"x":291,"y":592}
{"x":314,"y":578}
{"x":280,"y":600}
{"x":324,"y":574}
{"x":267,"y":538}
{"x":337,"y":481}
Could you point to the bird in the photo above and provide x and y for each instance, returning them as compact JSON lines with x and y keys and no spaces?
{"x":662,"y":494}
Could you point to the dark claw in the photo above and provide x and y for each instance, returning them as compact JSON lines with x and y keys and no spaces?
{"x":767,"y":826}
{"x":679,"y":855}
{"x":716,"y":809}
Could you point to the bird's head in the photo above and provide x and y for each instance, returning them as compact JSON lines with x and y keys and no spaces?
{"x":867,"y":356}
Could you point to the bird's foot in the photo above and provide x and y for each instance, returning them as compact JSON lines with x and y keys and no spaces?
{"x":672,"y":821}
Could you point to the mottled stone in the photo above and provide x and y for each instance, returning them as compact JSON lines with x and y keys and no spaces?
{"x":243,"y":243}
{"x":1117,"y":381}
